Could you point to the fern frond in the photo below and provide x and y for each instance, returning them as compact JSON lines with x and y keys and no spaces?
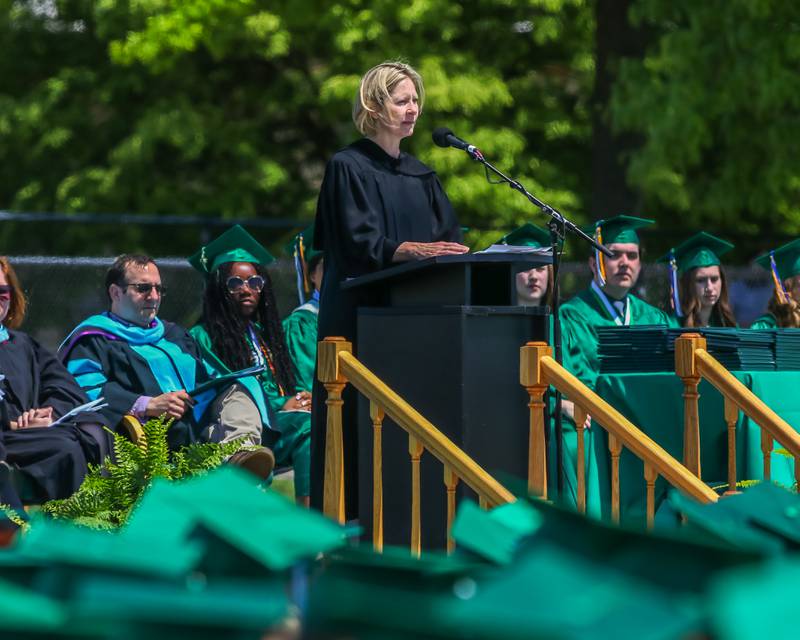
{"x":14,"y":516}
{"x":109,"y":491}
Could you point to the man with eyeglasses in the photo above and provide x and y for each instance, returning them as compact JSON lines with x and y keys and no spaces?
{"x":607,"y":302}
{"x":146,"y":367}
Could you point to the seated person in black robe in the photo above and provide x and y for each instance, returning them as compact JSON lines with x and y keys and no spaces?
{"x":36,"y":391}
{"x":146,"y":368}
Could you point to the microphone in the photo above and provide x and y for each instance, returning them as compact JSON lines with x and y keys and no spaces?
{"x":444,"y":137}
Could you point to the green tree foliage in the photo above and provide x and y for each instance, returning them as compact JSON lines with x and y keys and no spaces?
{"x":232,"y":107}
{"x":717,"y":102}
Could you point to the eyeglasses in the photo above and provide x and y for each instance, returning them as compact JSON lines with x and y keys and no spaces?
{"x":254,"y":283}
{"x":5,"y":291}
{"x":145,"y":287}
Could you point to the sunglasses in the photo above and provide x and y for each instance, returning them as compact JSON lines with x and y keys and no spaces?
{"x":145,"y":287}
{"x":5,"y":291}
{"x":254,"y":283}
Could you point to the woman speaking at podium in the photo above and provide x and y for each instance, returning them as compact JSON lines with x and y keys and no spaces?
{"x":377,"y":206}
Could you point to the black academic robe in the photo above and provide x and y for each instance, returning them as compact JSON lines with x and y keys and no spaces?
{"x":54,"y":458}
{"x":368,"y":205}
{"x":128,"y":375}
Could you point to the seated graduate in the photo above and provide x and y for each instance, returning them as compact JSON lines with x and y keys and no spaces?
{"x":784,"y":265}
{"x":607,"y":302}
{"x":700,"y":297}
{"x":300,"y":326}
{"x":146,"y":367}
{"x":37,"y":391}
{"x":534,"y":287}
{"x":240,"y":328}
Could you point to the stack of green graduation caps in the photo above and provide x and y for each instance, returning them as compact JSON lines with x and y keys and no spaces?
{"x":739,"y":349}
{"x":787,"y":348}
{"x":525,"y":570}
{"x":209,"y":557}
{"x":640,"y":348}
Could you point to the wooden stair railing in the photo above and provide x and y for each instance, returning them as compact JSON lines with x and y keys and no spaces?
{"x":336,"y":367}
{"x":538,"y":370}
{"x":693,"y":362}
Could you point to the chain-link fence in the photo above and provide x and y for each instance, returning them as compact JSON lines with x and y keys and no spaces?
{"x":64,"y":291}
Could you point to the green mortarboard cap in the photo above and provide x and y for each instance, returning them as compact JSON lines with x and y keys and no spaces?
{"x":620,"y":229}
{"x":787,"y":259}
{"x":701,"y":250}
{"x":527,"y":235}
{"x":235,"y":245}
{"x":305,"y":239}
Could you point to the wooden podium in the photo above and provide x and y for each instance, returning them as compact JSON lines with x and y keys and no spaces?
{"x":447,"y":340}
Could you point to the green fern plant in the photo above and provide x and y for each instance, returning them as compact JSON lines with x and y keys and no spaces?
{"x":109,"y":491}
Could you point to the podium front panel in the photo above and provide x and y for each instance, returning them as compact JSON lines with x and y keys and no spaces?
{"x":459,"y":367}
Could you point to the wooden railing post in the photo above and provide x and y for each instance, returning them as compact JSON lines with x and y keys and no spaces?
{"x":376,"y":415}
{"x":615,"y":449}
{"x":766,"y":452}
{"x":686,"y":368}
{"x":731,"y":418}
{"x":330,"y":375}
{"x":532,"y":378}
{"x":450,"y":483}
{"x":580,"y":469}
{"x":415,"y":450}
{"x":650,"y":477}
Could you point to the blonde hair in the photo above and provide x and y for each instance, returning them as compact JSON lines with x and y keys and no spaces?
{"x":16,"y":310}
{"x":376,"y":86}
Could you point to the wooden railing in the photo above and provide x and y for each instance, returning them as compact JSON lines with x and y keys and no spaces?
{"x":693,"y":362}
{"x":538,"y":370}
{"x":336,"y":367}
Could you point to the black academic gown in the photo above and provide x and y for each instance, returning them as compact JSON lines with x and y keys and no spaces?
{"x":368,"y":205}
{"x":54,"y":458}
{"x":128,"y":375}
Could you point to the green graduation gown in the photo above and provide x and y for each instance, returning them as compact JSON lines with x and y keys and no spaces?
{"x":767,"y":321}
{"x":293,"y":447}
{"x":300,"y":328}
{"x":580,"y":317}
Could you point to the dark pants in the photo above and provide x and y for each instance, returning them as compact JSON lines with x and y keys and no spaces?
{"x":54,"y":459}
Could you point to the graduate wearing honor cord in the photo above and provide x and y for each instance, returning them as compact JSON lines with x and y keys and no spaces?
{"x":698,"y":285}
{"x":605,"y":303}
{"x":783,"y":264}
{"x":300,"y":326}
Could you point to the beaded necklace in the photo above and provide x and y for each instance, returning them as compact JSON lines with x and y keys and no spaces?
{"x":261,"y":354}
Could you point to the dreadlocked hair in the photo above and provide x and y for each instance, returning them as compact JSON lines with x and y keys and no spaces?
{"x":228,"y":329}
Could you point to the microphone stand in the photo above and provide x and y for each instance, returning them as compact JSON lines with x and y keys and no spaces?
{"x":558,"y":226}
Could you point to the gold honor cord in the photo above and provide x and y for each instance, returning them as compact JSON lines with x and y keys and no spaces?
{"x":598,"y":258}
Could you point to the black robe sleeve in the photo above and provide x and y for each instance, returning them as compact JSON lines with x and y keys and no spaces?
{"x":349,"y":222}
{"x":57,"y":388}
{"x":35,"y":378}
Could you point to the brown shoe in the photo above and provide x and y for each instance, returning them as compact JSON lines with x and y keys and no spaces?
{"x":260,"y":462}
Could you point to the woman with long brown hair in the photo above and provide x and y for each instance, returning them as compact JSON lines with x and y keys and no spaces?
{"x":784,"y":307}
{"x":698,"y":285}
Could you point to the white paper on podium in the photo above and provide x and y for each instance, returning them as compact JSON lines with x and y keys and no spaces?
{"x":511,"y":248}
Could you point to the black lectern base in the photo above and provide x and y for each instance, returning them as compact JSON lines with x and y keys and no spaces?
{"x":459,"y":367}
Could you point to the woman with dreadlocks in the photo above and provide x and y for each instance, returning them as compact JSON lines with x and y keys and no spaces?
{"x":241,"y":328}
